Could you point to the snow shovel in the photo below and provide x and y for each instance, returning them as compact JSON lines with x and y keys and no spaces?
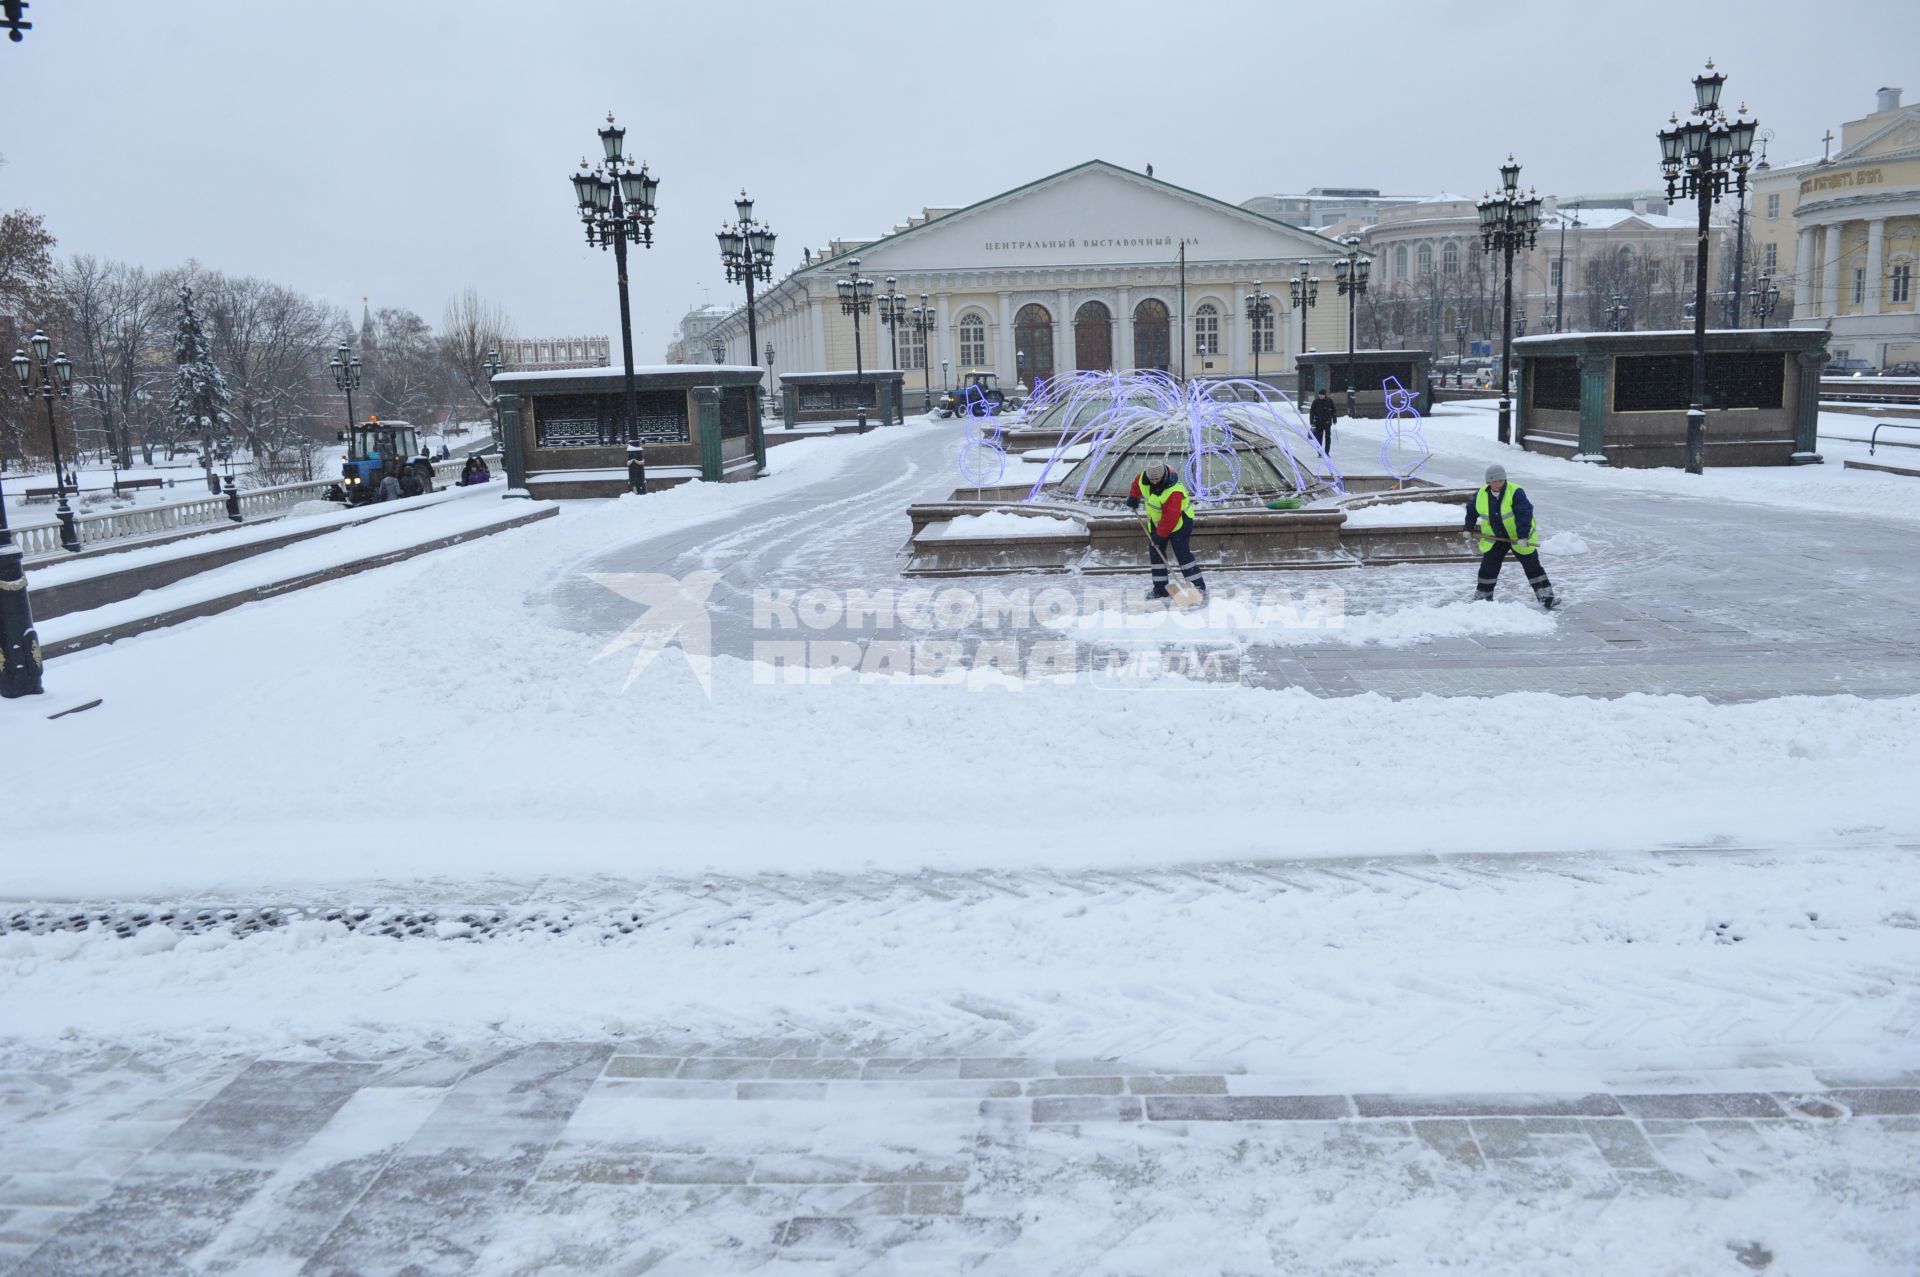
{"x":1177,"y":584}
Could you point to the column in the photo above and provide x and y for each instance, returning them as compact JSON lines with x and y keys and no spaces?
{"x":1004,"y":362}
{"x":1806,"y":415}
{"x":1063,"y":356}
{"x":1123,"y":330}
{"x":816,"y":340}
{"x":1236,"y":345}
{"x":1803,"y":265}
{"x":1830,"y":269}
{"x":942,"y":334}
{"x":1876,"y":246}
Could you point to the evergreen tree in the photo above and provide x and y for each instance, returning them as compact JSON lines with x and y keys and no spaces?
{"x":199,"y":399}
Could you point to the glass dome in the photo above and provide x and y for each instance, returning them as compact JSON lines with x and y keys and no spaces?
{"x":1235,"y":461}
{"x":1073,"y":412}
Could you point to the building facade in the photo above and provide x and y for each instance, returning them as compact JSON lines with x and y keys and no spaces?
{"x":690,"y":344}
{"x":1079,"y":270}
{"x":1843,"y":235}
{"x":542,"y":354}
{"x":1324,"y":206}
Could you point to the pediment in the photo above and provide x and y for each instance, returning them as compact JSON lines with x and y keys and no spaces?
{"x":1095,"y":214}
{"x":1897,"y":137}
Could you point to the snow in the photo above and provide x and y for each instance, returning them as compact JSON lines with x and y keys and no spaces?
{"x":1564,"y":543}
{"x":1007,"y":523}
{"x":619,"y":374}
{"x":1405,"y":514}
{"x":1311,"y":616}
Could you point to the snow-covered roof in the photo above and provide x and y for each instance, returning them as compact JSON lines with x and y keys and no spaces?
{"x":1600,"y":219}
{"x":1444,"y":197}
{"x":617,"y":374}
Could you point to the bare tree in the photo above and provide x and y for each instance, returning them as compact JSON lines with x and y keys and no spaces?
{"x":406,"y":378}
{"x":270,"y":341}
{"x":471,"y":327}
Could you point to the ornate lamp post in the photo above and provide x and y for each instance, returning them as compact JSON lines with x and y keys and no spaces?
{"x":1350,"y":273}
{"x":746,"y":250}
{"x":718,"y":349}
{"x":1704,"y":159}
{"x":1509,"y":222}
{"x":769,"y":354}
{"x":346,"y":378}
{"x":924,"y":320}
{"x":56,"y":379}
{"x":1618,"y":308}
{"x":1764,"y":297}
{"x":1259,"y":315}
{"x":856,"y":299}
{"x":19,"y":644}
{"x":1459,"y":348}
{"x":492,"y":366}
{"x":1560,"y":285}
{"x":616,"y":205}
{"x":894,"y":313}
{"x":1305,"y":291}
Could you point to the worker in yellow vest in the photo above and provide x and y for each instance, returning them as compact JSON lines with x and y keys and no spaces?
{"x":1169,"y":509}
{"x":1503,"y":517}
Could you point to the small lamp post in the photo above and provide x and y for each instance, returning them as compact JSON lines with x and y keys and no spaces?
{"x":1764,"y":297}
{"x":1704,"y":159}
{"x":1351,"y":273}
{"x":1305,"y":291}
{"x":1459,"y":349}
{"x":746,"y":250}
{"x":856,"y":299}
{"x":718,"y":349}
{"x":1509,"y":222}
{"x":346,"y":378}
{"x":894,"y":313}
{"x":617,"y":204}
{"x":1618,"y":308}
{"x":19,"y":644}
{"x":770,"y":393}
{"x":1259,"y":321}
{"x":492,"y":366}
{"x":56,"y":380}
{"x":924,"y":319}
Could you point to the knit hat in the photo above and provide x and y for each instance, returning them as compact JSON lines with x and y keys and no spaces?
{"x":1496,"y":474}
{"x":1156,"y":472}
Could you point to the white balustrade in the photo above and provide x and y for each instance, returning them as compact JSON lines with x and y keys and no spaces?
{"x":169,"y":516}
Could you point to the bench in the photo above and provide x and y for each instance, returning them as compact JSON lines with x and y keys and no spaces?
{"x":129,"y":485}
{"x":40,"y":494}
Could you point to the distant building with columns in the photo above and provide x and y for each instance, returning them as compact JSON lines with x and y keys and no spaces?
{"x":1841,"y":235}
{"x":1078,"y":270}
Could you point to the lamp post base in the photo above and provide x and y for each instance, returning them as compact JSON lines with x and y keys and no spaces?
{"x":19,"y":645}
{"x":69,"y":530}
{"x":1506,"y":420}
{"x":1696,"y":439}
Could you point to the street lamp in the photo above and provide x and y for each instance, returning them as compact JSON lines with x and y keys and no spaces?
{"x":1764,"y":297}
{"x":769,"y":353}
{"x":616,"y":205}
{"x":1618,"y":308}
{"x":1459,"y":348}
{"x":718,"y":349}
{"x":1351,"y":273}
{"x":1508,"y":223}
{"x":346,"y":377}
{"x":893,"y":313}
{"x":493,"y":367}
{"x":746,"y":250}
{"x":1259,"y":316}
{"x":1703,"y":159}
{"x":1560,"y":287}
{"x":856,"y":299}
{"x":19,"y":644}
{"x":1305,"y":291}
{"x":924,"y":320}
{"x":56,"y":379}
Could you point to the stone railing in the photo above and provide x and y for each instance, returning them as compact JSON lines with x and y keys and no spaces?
{"x":150,"y":520}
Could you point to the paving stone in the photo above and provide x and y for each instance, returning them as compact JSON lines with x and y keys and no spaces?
{"x":1246,"y":1108}
{"x":705,"y":1068}
{"x":936,"y":1199}
{"x":1004,"y":1067}
{"x":936,"y":1089}
{"x":783,"y":1090}
{"x":1879,"y":1102}
{"x":814,"y":1068}
{"x":700,"y":1170}
{"x":261,"y":1116}
{"x":1554,"y":1126}
{"x":1722,"y":1104}
{"x":807,"y":1168}
{"x":612,"y":1168}
{"x":1621,"y":1143}
{"x":668,"y":1088}
{"x":935,"y":1233}
{"x":885,"y":1069}
{"x":32,"y":1189}
{"x":1487,"y":1105}
{"x":643,"y":1066}
{"x":148,"y":1224}
{"x":1184,"y":1084}
{"x":1087,"y":1108}
{"x":931,"y":1169}
{"x":1452,"y":1138}
{"x":1087,"y":1068}
{"x":1502,"y":1138}
{"x":1074,"y":1086}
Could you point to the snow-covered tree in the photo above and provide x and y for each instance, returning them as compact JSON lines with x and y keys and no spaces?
{"x":200,"y":398}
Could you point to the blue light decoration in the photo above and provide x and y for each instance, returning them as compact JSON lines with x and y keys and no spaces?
{"x":983,"y":456}
{"x":1219,"y":417}
{"x":1403,"y":448}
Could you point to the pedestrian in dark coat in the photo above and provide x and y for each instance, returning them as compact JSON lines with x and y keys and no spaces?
{"x":1321,"y":417}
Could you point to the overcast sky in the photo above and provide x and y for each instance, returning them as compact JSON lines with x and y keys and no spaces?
{"x":402,"y":150}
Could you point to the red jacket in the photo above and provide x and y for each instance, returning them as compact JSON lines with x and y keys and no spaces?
{"x":1169,"y":513}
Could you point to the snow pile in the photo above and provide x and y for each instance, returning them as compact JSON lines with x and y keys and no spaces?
{"x":1402,"y":514}
{"x":1316,"y":616}
{"x":1006,"y":523}
{"x":1561,"y":544}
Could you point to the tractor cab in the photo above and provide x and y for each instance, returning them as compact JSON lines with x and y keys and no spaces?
{"x":977,"y":395}
{"x":376,"y":450}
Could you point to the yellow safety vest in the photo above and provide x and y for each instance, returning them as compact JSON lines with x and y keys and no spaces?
{"x":1155,"y":501}
{"x":1505,"y":530}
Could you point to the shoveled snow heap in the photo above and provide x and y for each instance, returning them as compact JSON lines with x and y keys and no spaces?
{"x":1406,"y":514}
{"x":1006,"y":523}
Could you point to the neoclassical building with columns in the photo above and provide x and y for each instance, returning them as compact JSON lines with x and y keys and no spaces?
{"x":1079,"y":270}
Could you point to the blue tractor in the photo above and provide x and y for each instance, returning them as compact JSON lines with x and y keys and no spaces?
{"x":375,"y":451}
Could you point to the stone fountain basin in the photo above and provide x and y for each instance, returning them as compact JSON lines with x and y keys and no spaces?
{"x":1106,"y":540}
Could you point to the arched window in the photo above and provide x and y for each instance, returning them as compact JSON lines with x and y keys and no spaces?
{"x":1400,"y":263}
{"x":1426,"y":259}
{"x":1093,"y":337}
{"x":973,"y":340}
{"x":1152,"y":335}
{"x":1033,"y":345}
{"x":1263,"y":331}
{"x":1206,"y":329}
{"x":913,"y":346}
{"x":1450,"y":258}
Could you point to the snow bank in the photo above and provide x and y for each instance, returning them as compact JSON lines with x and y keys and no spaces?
{"x":1561,"y":544}
{"x":1006,"y":523}
{"x":1406,"y":514}
{"x":1310,"y":617}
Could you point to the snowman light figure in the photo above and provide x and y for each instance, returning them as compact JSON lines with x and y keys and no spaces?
{"x":1403,"y":448}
